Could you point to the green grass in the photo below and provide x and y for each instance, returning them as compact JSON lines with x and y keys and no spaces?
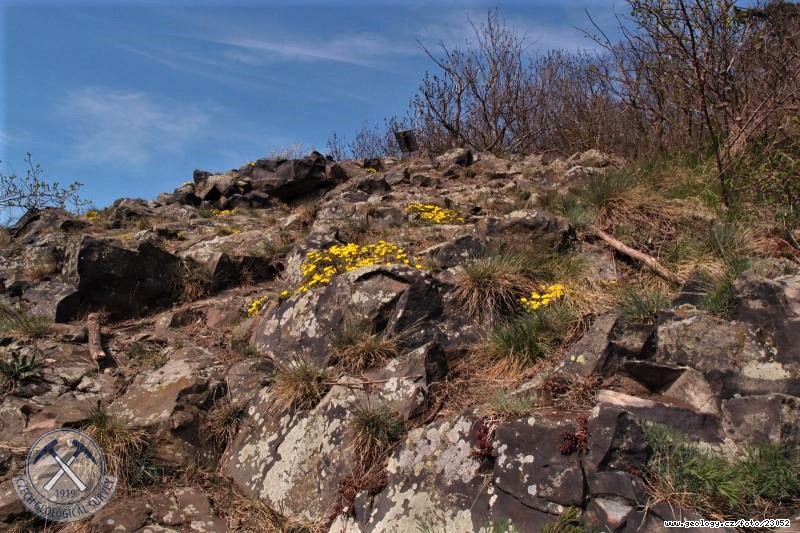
{"x":20,"y":323}
{"x":568,"y":522}
{"x":682,"y":473}
{"x":641,"y":304}
{"x":528,"y":337}
{"x":568,"y":206}
{"x":602,"y":189}
{"x":505,"y":403}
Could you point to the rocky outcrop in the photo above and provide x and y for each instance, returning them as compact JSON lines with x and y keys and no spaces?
{"x":201,"y":307}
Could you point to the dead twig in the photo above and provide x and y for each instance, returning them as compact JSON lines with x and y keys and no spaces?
{"x":647,"y":260}
{"x":95,"y":346}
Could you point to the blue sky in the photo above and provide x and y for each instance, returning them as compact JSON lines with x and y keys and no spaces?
{"x":129,"y":97}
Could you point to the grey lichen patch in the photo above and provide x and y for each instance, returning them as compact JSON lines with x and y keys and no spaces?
{"x":444,"y":450}
{"x":411,"y":509}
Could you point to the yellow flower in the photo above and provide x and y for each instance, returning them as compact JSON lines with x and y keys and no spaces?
{"x":548,"y":295}
{"x":435,"y":214}
{"x":255,"y":306}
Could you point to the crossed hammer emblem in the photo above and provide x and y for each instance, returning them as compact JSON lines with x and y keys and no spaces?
{"x":64,"y":466}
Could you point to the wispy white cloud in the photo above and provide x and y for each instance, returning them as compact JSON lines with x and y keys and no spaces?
{"x":367,"y":50}
{"x":128,"y":128}
{"x":540,"y":35}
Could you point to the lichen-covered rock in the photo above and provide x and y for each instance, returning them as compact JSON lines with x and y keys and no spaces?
{"x":772,"y":308}
{"x":732,"y":358}
{"x":762,"y":418}
{"x":170,"y":403}
{"x":465,"y":473}
{"x":229,"y":259}
{"x":395,"y":298}
{"x":538,"y":231}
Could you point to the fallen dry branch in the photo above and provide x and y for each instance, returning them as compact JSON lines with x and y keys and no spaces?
{"x":95,"y":346}
{"x":647,"y":260}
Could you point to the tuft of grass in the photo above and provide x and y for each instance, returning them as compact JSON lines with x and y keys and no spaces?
{"x":720,"y":298}
{"x":602,"y":189}
{"x":275,"y":250}
{"x":256,"y":515}
{"x":505,"y":403}
{"x":126,"y":449}
{"x":641,"y":304}
{"x":728,"y":241}
{"x":197,"y":281}
{"x":567,"y":522}
{"x":41,"y":269}
{"x":224,"y":422}
{"x":375,"y":428}
{"x":19,"y":323}
{"x":492,"y":284}
{"x":680,"y":472}
{"x":18,"y":369}
{"x":146,"y":355}
{"x":298,"y":384}
{"x":529,"y":337}
{"x":356,"y":347}
{"x":568,"y":206}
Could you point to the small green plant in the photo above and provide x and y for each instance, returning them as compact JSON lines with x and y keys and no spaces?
{"x":505,"y":403}
{"x":126,"y":449}
{"x":490,"y":285}
{"x":528,"y":337}
{"x":18,"y":368}
{"x":298,"y":384}
{"x":19,"y":323}
{"x":568,"y":522}
{"x":641,"y":304}
{"x":224,"y":421}
{"x":356,"y":347}
{"x":375,"y":428}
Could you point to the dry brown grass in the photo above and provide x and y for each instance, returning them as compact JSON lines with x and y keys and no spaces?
{"x":124,"y":447}
{"x":356,"y":347}
{"x":41,"y":269}
{"x":255,"y":516}
{"x":491,"y":285}
{"x":225,"y":420}
{"x":298,"y":384}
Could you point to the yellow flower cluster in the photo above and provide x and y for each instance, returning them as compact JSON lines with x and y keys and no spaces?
{"x":284,"y":294}
{"x":256,"y":305}
{"x":545,"y":298}
{"x":223,"y":212}
{"x":435,"y":214}
{"x":371,"y":171}
{"x":321,"y":266}
{"x":92,"y":215}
